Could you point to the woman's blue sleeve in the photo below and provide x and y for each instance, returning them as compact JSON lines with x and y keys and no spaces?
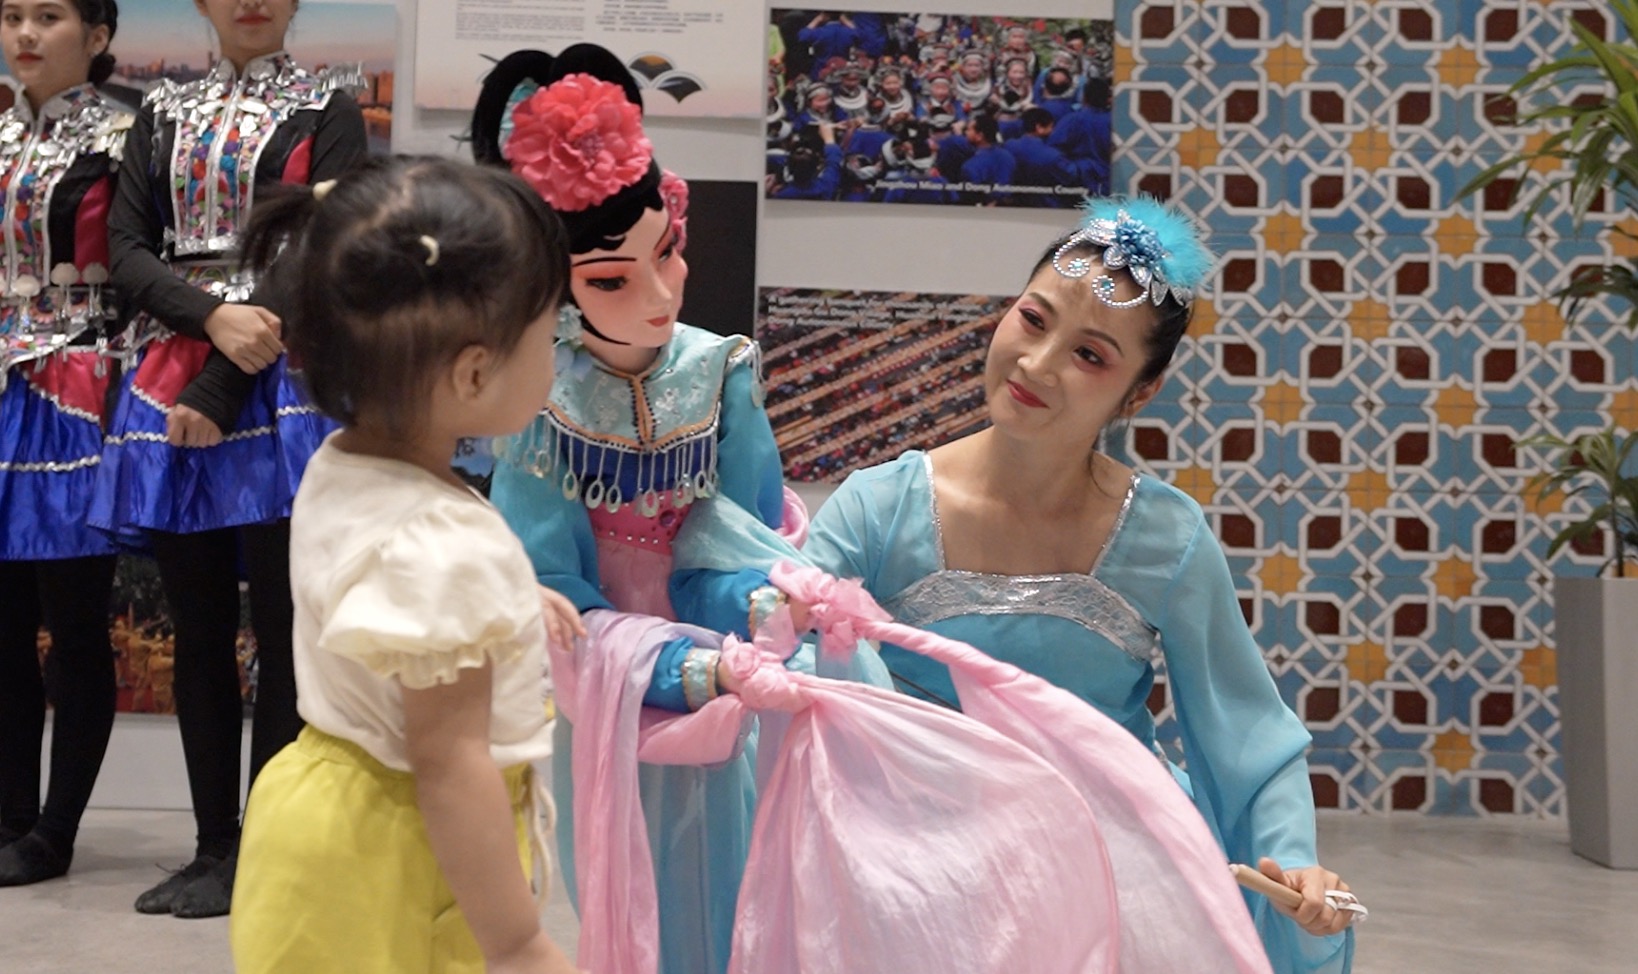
{"x":1243,"y":748}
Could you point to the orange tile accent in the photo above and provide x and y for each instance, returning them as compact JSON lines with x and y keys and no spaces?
{"x":1458,"y":65}
{"x":1369,"y":490}
{"x":1545,"y":506}
{"x":1371,"y":149}
{"x":1281,"y":572}
{"x":1623,"y":408}
{"x":1204,"y":321}
{"x":1456,"y":406}
{"x":1282,"y":403}
{"x":1543,"y":322}
{"x":1198,"y":148}
{"x":1622,"y":245}
{"x":1197,"y":482}
{"x":1456,"y":235}
{"x":1124,"y":63}
{"x":1534,"y":141}
{"x":1455,"y":578}
{"x":1539,"y":667}
{"x":1283,"y":231}
{"x":1369,"y":320}
{"x":1367,"y":662}
{"x":1453,"y":750}
{"x":1285,"y":64}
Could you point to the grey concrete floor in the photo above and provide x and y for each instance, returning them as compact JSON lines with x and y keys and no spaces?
{"x":1445,"y":895}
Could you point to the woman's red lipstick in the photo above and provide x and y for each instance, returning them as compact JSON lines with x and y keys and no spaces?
{"x":1025,"y":396}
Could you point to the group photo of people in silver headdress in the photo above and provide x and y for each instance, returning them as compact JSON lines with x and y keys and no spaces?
{"x":935,"y":108}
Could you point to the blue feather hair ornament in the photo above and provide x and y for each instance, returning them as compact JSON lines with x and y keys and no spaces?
{"x":1156,"y":244}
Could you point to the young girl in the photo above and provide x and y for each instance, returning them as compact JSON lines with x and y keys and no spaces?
{"x":59,"y":150}
{"x":395,"y":834}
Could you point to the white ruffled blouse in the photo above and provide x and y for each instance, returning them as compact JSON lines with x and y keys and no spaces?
{"x":401,"y":579}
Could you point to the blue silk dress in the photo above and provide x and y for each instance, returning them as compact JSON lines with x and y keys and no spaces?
{"x":1160,"y":589}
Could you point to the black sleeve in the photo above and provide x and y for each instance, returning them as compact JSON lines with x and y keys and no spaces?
{"x":219,"y":391}
{"x":135,"y":232}
{"x":339,"y":143}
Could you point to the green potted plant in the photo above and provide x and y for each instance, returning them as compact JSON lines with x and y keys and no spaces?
{"x":1591,"y":466}
{"x":1591,"y":148}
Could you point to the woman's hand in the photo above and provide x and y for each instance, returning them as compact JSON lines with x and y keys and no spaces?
{"x":1314,"y":915}
{"x":186,"y":426}
{"x":563,"y":623}
{"x":247,"y":334}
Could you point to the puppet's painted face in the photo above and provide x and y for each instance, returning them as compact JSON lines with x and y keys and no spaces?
{"x":631,"y":295}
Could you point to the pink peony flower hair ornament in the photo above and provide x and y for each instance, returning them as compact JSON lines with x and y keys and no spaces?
{"x":571,"y":126}
{"x":578,"y":141}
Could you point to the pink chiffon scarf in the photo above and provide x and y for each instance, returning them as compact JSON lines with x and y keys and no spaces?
{"x":1030,"y":833}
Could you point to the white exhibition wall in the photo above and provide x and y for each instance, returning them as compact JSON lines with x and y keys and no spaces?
{"x":932,"y":249}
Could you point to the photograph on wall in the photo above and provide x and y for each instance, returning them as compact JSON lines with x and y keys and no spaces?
{"x":676,"y":49}
{"x":160,"y":40}
{"x":168,"y":41}
{"x":855,"y":378}
{"x":939,"y":108}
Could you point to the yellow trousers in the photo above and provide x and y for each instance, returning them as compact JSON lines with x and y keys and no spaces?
{"x":335,"y":872}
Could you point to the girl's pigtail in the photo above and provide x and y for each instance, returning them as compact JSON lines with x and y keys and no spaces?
{"x":281,"y":217}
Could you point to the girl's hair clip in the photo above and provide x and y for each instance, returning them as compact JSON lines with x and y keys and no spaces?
{"x":322,"y":189}
{"x":431,"y":244}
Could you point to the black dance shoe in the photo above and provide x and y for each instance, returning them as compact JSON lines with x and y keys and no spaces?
{"x":32,"y":859}
{"x":209,"y":895}
{"x":162,"y":898}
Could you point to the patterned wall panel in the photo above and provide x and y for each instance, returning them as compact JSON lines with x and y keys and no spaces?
{"x":1373,"y":349}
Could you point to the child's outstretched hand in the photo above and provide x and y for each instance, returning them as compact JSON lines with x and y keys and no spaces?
{"x":538,"y":956}
{"x":563,"y":625}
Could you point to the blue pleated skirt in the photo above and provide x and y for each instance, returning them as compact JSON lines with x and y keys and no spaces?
{"x":50,"y":451}
{"x":146,"y":484}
